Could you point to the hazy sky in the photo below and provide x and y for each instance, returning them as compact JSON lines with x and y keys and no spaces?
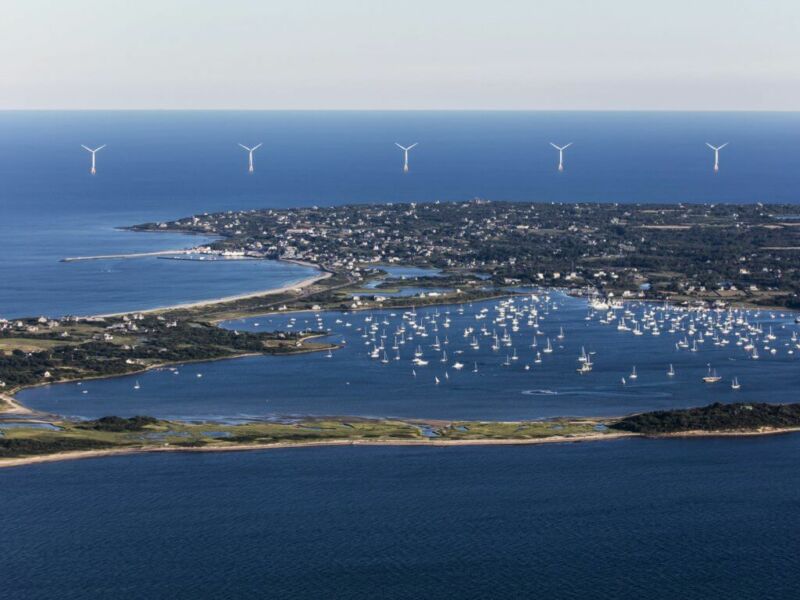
{"x":400,"y":54}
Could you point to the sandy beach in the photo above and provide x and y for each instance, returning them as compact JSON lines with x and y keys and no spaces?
{"x":82,"y":454}
{"x":298,"y":285}
{"x":9,"y":406}
{"x":430,"y":443}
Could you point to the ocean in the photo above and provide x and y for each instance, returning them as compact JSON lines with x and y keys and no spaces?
{"x":695,"y":518}
{"x":648,"y":519}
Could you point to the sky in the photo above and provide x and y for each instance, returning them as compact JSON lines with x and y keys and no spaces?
{"x":400,"y":54}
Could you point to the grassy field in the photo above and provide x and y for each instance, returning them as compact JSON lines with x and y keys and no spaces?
{"x":114,"y":433}
{"x":29,"y":344}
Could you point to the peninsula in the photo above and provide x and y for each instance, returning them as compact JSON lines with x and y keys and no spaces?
{"x":115,"y":435}
{"x":714,"y":254}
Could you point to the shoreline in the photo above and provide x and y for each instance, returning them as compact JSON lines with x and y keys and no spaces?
{"x":18,"y":408}
{"x":298,"y":285}
{"x":429,"y":443}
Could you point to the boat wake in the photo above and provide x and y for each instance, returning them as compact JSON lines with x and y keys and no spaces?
{"x":598,"y":393}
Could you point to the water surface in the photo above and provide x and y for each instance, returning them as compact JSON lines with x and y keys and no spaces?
{"x":350,"y":382}
{"x":645,"y":519}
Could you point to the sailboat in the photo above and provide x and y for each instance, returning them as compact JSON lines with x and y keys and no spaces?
{"x":671,"y":372}
{"x":475,"y":368}
{"x":712,"y":376}
{"x":633,"y":374}
{"x":436,"y":379}
{"x":585,"y":367}
{"x":136,"y":385}
{"x":735,"y":384}
{"x":330,"y":354}
{"x":548,"y":349}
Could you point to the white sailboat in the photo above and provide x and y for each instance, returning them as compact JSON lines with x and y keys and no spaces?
{"x":712,"y":376}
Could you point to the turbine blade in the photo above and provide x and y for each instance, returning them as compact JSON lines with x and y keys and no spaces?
{"x":723,"y":145}
{"x":257,"y":147}
{"x":245,"y":147}
{"x":710,"y":146}
{"x":412,"y":145}
{"x":100,"y":148}
{"x":86,"y":148}
{"x":401,"y":147}
{"x":554,"y":146}
{"x":567,"y":146}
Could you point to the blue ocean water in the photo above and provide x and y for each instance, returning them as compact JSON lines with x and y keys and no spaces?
{"x":160,"y":165}
{"x":350,"y":382}
{"x":710,"y":518}
{"x":693,"y":519}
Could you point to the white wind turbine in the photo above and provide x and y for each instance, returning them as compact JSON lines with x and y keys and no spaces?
{"x":560,"y":154}
{"x":251,"y":150}
{"x":405,"y":155}
{"x":95,"y":151}
{"x":716,"y":150}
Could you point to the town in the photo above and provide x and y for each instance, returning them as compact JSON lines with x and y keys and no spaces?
{"x":717,"y":254}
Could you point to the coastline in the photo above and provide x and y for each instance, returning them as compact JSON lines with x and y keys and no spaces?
{"x":429,"y":443}
{"x":298,"y":285}
{"x":15,"y":407}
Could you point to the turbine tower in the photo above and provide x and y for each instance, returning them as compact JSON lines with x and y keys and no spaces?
{"x":405,"y":155}
{"x":560,"y":154}
{"x":95,"y":151}
{"x":716,"y":150}
{"x":251,"y":150}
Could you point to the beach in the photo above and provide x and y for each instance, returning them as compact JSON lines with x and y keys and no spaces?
{"x":298,"y":285}
{"x":427,"y":443}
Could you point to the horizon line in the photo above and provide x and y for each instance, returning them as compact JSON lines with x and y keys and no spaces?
{"x":411,"y":110}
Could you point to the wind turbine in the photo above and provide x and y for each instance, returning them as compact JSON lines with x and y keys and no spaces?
{"x":560,"y":154}
{"x":405,"y":155}
{"x":95,"y":151}
{"x":716,"y":150}
{"x":251,"y":150}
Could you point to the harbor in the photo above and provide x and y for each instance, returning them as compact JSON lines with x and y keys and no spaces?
{"x":522,"y":357}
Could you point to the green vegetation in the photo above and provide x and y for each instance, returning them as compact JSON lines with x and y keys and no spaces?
{"x":16,"y":447}
{"x":117,"y":424}
{"x":524,"y":430}
{"x":143,"y":432}
{"x":715,"y":417}
{"x":147,"y":433}
{"x":36,"y":351}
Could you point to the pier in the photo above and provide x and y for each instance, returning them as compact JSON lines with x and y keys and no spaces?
{"x":125,"y":256}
